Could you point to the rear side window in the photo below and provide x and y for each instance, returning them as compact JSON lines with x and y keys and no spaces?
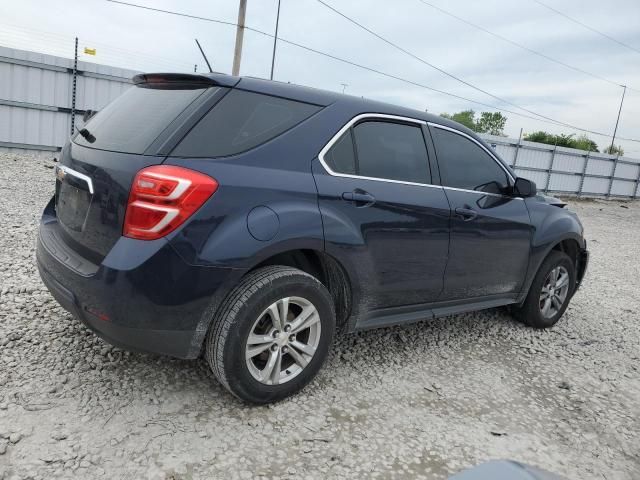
{"x":391,"y":150}
{"x":241,"y":121}
{"x":385,"y":150}
{"x":463,"y":164}
{"x":136,"y":118}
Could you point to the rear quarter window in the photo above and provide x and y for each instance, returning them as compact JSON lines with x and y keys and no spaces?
{"x":241,"y":121}
{"x":136,"y":118}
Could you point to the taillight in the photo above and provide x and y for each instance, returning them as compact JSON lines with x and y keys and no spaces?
{"x":162,"y":197}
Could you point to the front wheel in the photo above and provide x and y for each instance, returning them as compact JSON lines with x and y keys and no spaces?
{"x":271,"y":335}
{"x":550,"y":292}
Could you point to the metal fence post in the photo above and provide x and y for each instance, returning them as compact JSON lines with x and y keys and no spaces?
{"x":613,"y":174}
{"x":518,"y":145}
{"x":73,"y":89}
{"x":584,"y":172}
{"x":550,"y":171}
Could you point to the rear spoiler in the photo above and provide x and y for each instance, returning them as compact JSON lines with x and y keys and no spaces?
{"x":188,"y":80}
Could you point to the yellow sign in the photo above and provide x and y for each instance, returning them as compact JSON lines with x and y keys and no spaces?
{"x":89,"y":51}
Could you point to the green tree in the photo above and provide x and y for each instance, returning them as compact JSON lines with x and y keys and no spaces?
{"x":489,"y":122}
{"x":614,"y":150}
{"x":539,"y":137}
{"x":585,"y":143}
{"x":466,"y":118}
{"x":550,"y":139}
{"x":581,"y":143}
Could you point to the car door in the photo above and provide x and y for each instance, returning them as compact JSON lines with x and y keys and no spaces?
{"x":490,"y":229}
{"x":382,"y":217}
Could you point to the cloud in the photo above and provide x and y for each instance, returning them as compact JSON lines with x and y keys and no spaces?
{"x":145,"y":40}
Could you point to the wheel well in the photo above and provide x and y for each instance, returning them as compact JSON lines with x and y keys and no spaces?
{"x":323,"y":267}
{"x":570,"y":247}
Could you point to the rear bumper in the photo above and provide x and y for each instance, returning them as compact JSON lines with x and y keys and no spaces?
{"x":142,"y":296}
{"x":175,"y":343}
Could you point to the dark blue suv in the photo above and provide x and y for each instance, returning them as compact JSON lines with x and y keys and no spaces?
{"x":247,"y":220}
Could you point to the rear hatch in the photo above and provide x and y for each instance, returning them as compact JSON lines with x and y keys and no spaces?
{"x":135,"y":131}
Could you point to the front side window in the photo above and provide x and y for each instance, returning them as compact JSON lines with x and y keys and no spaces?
{"x":241,"y":121}
{"x":385,"y":150}
{"x":464,"y":164}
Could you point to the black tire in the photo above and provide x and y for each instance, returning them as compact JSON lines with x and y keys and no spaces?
{"x":530,"y":311}
{"x":234,"y":320}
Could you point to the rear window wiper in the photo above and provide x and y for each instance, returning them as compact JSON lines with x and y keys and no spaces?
{"x":86,"y":134}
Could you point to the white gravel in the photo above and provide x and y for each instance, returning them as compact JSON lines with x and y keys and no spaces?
{"x":424,"y":400}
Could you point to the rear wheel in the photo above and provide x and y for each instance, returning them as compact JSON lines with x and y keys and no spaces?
{"x":550,"y":292}
{"x":272,"y":334}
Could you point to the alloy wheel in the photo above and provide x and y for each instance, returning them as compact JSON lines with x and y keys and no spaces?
{"x":283,"y":340}
{"x":555,"y":290}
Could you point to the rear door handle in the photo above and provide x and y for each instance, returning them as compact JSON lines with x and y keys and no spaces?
{"x":467,"y":214}
{"x":359,"y":198}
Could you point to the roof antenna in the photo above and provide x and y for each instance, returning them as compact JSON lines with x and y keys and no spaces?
{"x":205,"y":57}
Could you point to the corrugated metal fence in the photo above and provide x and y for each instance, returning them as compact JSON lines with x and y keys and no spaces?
{"x":36,"y":93}
{"x":570,"y":171}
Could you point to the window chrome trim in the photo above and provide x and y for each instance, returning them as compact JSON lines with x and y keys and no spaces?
{"x":462,"y":134}
{"x":416,"y":121}
{"x":480,"y":192}
{"x":70,"y":171}
{"x":347,"y":126}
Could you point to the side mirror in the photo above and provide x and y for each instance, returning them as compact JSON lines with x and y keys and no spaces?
{"x":524,"y":188}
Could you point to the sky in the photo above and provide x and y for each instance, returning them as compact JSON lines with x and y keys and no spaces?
{"x":149,"y":41}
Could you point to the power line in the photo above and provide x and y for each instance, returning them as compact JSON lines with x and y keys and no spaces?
{"x":441,"y":70}
{"x":519,"y":45}
{"x":364,"y":67}
{"x":179,"y":14}
{"x":587,"y":26}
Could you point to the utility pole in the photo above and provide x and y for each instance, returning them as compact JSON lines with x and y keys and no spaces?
{"x":615,"y":130}
{"x":344,"y":86}
{"x":237,"y":54}
{"x":275,"y":42}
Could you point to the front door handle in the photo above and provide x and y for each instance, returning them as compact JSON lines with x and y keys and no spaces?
{"x":359,"y":197}
{"x":467,"y":214}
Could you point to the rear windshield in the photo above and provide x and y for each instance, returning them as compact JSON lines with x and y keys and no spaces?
{"x":241,"y":121}
{"x":134,"y":120}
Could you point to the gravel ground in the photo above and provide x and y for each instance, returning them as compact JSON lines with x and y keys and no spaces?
{"x":424,"y":400}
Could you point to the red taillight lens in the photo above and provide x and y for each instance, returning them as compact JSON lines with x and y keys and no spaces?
{"x":162,"y":197}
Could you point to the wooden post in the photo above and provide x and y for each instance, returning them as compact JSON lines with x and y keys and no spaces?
{"x":237,"y":53}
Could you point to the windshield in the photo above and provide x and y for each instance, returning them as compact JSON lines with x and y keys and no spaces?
{"x":134,"y":120}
